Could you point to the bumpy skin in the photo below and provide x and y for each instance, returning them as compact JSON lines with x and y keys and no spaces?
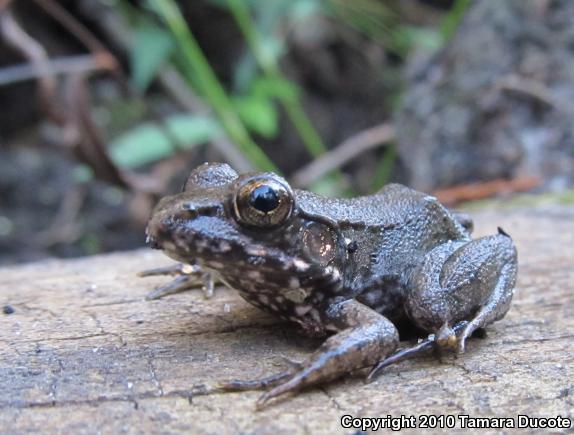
{"x":348,"y":268}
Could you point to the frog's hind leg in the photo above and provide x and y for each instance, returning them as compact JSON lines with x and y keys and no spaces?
{"x":187,"y":277}
{"x":462,"y":281}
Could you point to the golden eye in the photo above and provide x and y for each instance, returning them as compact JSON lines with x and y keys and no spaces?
{"x":263,"y":201}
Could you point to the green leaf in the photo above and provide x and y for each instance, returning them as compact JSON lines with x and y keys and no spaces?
{"x":150,"y":142}
{"x":384,"y":169}
{"x":258,"y":114}
{"x":275,"y":87}
{"x":405,"y":38}
{"x":151,"y":48}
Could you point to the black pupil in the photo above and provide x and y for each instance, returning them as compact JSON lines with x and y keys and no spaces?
{"x":264,"y":198}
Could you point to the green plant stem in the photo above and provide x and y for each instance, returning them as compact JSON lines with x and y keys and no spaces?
{"x":385,"y":167}
{"x":195,"y":60}
{"x":267,"y":63}
{"x":453,"y":18}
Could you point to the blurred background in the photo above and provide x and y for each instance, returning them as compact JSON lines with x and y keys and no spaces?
{"x":108,"y":104}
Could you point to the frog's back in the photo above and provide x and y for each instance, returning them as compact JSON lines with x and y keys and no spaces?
{"x":394,"y":228}
{"x":390,"y":207}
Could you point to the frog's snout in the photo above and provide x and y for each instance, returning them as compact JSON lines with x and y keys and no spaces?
{"x":159,"y":230}
{"x":151,"y":237}
{"x":152,"y":242}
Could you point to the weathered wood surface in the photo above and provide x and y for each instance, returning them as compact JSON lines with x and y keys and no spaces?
{"x":85,"y":353}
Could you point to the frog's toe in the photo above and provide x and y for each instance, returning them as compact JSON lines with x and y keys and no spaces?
{"x":188,"y":276}
{"x":303,"y":378}
{"x":250,"y":385}
{"x":468,"y":330}
{"x":177,"y":285}
{"x":461,"y":346}
{"x":422,"y":347}
{"x":291,"y":363}
{"x":398,"y":356}
{"x":290,"y":385}
{"x":236,"y":385}
{"x":173,"y":270}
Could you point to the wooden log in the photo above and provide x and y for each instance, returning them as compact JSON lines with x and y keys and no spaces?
{"x":83,"y":352}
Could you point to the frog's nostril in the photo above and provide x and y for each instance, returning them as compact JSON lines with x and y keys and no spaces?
{"x":193,"y":210}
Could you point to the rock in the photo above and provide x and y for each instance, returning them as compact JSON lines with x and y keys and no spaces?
{"x":497,"y":101}
{"x":83,"y":351}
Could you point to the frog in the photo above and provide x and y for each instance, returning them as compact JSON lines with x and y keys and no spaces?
{"x":347,"y":270}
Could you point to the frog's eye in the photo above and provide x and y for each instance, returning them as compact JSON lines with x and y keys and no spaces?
{"x":263,"y":202}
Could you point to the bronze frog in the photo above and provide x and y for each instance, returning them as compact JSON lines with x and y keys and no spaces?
{"x":346,"y":269}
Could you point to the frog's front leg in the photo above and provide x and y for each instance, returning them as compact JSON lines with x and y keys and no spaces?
{"x":187,"y":277}
{"x":364,"y":338}
{"x":469,"y":281}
